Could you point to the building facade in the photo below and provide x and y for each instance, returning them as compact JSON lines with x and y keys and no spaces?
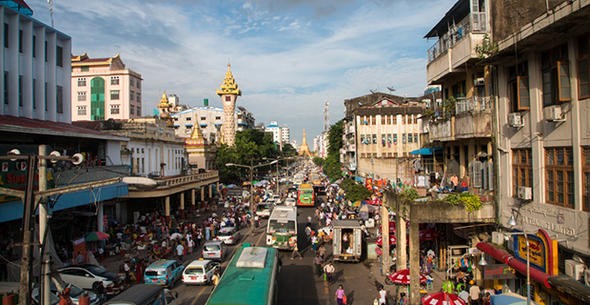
{"x":103,"y":88}
{"x":36,"y":78}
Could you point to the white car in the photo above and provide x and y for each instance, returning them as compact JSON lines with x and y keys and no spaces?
{"x":85,"y":276}
{"x":229,"y":235}
{"x":199,"y":272}
{"x":290,"y":202}
{"x":263,"y":209}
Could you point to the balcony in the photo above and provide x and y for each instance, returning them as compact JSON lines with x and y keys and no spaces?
{"x":442,"y":130}
{"x":473,"y":117}
{"x":456,"y":47}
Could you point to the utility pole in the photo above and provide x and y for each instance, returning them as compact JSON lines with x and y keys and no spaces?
{"x":26,"y":270}
{"x":44,"y":294}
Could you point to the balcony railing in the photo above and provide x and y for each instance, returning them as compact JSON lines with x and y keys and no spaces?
{"x":474,"y":104}
{"x":476,"y":22}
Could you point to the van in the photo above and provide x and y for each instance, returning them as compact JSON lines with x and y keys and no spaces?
{"x":163,"y":272}
{"x":214,"y":250}
{"x":347,"y":244}
{"x":200,"y":272}
{"x":144,"y":294}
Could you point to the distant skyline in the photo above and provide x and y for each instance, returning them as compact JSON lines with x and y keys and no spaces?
{"x":288,"y":57}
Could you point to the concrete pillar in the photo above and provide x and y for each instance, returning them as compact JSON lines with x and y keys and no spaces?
{"x":182,"y":201}
{"x":414,"y":262}
{"x":167,"y":206}
{"x":202,"y":194}
{"x":100,"y":217}
{"x":385,"y":237}
{"x":401,"y":247}
{"x":193,"y":197}
{"x":210,"y":190}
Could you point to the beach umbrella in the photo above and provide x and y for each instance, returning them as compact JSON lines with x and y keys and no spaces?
{"x":96,"y":236}
{"x":442,"y":298}
{"x":402,"y":277}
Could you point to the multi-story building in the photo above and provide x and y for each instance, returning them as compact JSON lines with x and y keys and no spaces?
{"x":103,"y":88}
{"x":285,"y":134}
{"x":320,"y":144}
{"x":540,"y":58}
{"x":382,"y":129}
{"x":274,"y":128}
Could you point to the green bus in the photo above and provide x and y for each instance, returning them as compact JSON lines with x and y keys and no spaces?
{"x":281,"y":229}
{"x":305,"y":196}
{"x":250,"y":278}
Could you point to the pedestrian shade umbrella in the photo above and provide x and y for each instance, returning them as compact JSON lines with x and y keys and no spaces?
{"x":443,"y":298}
{"x":175,"y":235}
{"x":96,"y":236}
{"x":509,"y":299}
{"x":402,"y":277}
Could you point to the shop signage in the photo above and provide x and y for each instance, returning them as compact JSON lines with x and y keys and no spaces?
{"x":498,"y":272}
{"x":542,"y":252}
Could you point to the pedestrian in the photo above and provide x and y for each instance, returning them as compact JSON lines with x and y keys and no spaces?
{"x":317,"y":262}
{"x":382,"y":295}
{"x":296,"y":253}
{"x":474,"y":293}
{"x":215,"y":278}
{"x":322,"y":252}
{"x":179,"y":251}
{"x":340,"y":295}
{"x":329,"y":271}
{"x":403,"y":299}
{"x":486,"y":299}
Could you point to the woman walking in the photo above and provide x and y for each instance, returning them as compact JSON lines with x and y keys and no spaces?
{"x":340,"y":295}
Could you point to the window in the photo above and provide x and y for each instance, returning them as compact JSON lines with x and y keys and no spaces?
{"x":228,"y":98}
{"x":45,"y":94}
{"x":559,"y":176}
{"x":555,"y":76}
{"x":518,"y":86}
{"x":203,"y":118}
{"x":114,"y":94}
{"x":84,"y":69}
{"x":394,"y":119}
{"x":82,"y":82}
{"x":115,"y":109}
{"x":138,"y":84}
{"x":410,"y":138}
{"x":20,"y":90}
{"x":6,"y":87}
{"x":138,"y":110}
{"x":59,"y":98}
{"x":415,"y":119}
{"x":584,"y":67}
{"x":34,"y":93}
{"x":374,"y":139}
{"x":34,"y":46}
{"x":522,"y":168}
{"x":45,"y":50}
{"x":131,"y":109}
{"x":114,"y":80}
{"x":586,"y":178}
{"x":217,"y":118}
{"x":188,"y":118}
{"x":383,"y":119}
{"x":20,"y":41}
{"x":81,"y":96}
{"x":403,"y":138}
{"x":6,"y":32}
{"x":383,"y":141}
{"x":395,"y":138}
{"x":138,"y":97}
{"x":131,"y":82}
{"x":59,"y":56}
{"x":131,"y":95}
{"x":81,"y":110}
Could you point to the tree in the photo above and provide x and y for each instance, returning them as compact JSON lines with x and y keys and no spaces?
{"x":354,"y":191}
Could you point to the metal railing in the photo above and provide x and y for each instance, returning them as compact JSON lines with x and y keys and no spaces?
{"x":474,"y":104}
{"x":476,"y":22}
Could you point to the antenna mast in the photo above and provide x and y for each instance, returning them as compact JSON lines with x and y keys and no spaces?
{"x":50,"y":2}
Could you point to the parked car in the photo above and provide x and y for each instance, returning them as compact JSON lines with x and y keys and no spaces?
{"x":200,"y":272}
{"x":263,"y":209}
{"x":85,"y":276}
{"x":163,"y":272}
{"x":229,"y":235}
{"x":214,"y":250}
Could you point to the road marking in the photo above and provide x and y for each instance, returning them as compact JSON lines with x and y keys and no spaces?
{"x":198,"y":296}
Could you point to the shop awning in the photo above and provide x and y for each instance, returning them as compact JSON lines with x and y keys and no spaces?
{"x":506,"y":258}
{"x":425,"y":151}
{"x":568,"y":285}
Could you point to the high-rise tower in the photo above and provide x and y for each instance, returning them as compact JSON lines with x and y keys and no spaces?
{"x":229,"y":92}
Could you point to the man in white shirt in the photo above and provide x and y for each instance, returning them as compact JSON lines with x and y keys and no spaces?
{"x":179,"y":251}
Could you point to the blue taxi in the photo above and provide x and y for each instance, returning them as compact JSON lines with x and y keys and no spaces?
{"x":163,"y":272}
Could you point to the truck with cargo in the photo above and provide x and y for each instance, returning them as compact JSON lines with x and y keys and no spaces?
{"x":347,"y":245}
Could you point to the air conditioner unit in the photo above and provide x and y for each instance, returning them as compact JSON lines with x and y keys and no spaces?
{"x":498,"y":238}
{"x":524,"y":193}
{"x":587,"y":277}
{"x":553,"y":113}
{"x":574,"y":269}
{"x":515,"y":119}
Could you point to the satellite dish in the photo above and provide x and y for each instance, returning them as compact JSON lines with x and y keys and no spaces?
{"x":56,"y":154}
{"x":391,"y":89}
{"x":77,"y":159}
{"x":14,"y":152}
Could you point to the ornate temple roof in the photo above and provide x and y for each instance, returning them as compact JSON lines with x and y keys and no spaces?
{"x":229,"y":85}
{"x":164,"y":104}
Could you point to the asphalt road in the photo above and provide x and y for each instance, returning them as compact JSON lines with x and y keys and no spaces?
{"x":298,"y":285}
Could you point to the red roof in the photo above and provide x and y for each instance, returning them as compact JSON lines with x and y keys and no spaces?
{"x":14,"y":124}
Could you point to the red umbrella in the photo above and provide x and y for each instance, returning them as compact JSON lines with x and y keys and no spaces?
{"x":440,"y":298}
{"x":402,"y":277}
{"x":96,"y":236}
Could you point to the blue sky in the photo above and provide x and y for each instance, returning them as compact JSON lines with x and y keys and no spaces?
{"x":288,"y":57}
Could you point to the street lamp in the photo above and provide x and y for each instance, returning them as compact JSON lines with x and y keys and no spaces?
{"x":251,"y":168}
{"x":528,"y":263}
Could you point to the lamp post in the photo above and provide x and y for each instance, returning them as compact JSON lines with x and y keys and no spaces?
{"x":512,"y":223}
{"x":251,"y":168}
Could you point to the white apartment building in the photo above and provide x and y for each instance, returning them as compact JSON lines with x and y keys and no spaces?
{"x":36,"y":78}
{"x":103,"y":88}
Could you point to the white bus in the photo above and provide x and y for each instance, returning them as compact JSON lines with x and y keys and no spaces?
{"x":281,"y":230}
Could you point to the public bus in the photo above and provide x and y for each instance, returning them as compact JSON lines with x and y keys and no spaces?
{"x":305,"y":195}
{"x":281,"y":229}
{"x":251,"y":278}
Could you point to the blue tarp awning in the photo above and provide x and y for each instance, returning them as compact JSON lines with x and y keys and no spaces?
{"x":425,"y":151}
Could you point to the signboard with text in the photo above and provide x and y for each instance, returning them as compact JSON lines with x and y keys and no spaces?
{"x":542,"y":251}
{"x":498,"y":272}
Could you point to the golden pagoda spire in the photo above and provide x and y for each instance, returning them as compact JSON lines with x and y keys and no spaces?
{"x":197,"y":135}
{"x":229,"y":85}
{"x":164,"y":101}
{"x":304,"y":149}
